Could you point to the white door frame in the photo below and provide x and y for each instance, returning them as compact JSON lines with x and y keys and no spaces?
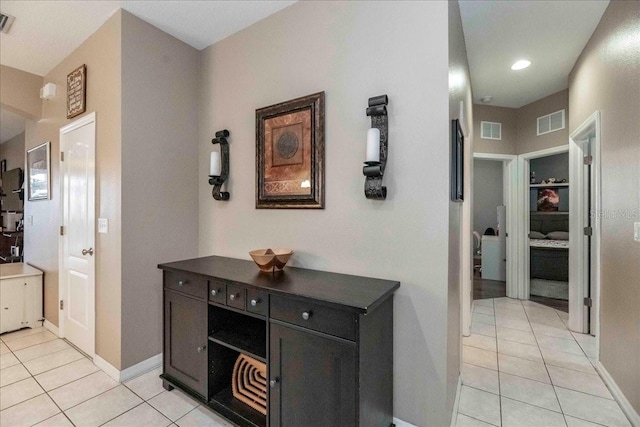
{"x":525,"y":214}
{"x":578,"y":211}
{"x":510,"y":175}
{"x":83,"y":121}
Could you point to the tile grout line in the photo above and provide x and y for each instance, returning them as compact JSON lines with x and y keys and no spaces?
{"x":498,"y":365}
{"x":564,"y":418}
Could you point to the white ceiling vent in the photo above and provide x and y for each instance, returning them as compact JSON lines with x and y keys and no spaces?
{"x":491,"y":130}
{"x":5,"y":22}
{"x":551,"y":122}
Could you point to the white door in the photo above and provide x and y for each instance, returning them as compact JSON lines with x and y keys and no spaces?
{"x":77,"y":241}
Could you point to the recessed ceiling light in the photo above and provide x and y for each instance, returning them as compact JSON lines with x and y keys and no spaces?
{"x":520,"y":65}
{"x":486,"y":99}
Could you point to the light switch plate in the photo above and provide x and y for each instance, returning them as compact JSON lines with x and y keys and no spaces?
{"x":636,"y":231}
{"x":103,"y":225}
{"x":29,"y":219}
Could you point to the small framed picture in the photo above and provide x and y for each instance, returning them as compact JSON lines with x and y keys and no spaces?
{"x":38,"y":172}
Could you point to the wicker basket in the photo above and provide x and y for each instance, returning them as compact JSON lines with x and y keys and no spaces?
{"x":249,"y":383}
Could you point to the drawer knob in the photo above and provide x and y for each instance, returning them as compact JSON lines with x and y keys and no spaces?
{"x":306,"y":315}
{"x":255,"y":302}
{"x":274,"y":381}
{"x":215,"y":292}
{"x":201,"y":349}
{"x":233,"y":297}
{"x":182,"y":282}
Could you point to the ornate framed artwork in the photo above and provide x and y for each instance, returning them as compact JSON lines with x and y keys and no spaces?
{"x":290,"y":154}
{"x":38,"y":169}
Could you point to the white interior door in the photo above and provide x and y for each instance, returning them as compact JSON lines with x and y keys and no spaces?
{"x":77,"y":242}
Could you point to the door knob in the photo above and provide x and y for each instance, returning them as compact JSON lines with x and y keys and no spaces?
{"x":232,"y":297}
{"x":87,"y":251}
{"x":274,"y":381}
{"x":214,"y":292}
{"x":255,"y":302}
{"x":306,"y":315}
{"x":201,"y":349}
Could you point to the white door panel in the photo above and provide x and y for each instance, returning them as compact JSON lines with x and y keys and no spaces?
{"x":77,"y":272}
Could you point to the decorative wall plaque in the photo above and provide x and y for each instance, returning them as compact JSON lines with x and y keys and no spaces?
{"x":77,"y":92}
{"x":290,"y":154}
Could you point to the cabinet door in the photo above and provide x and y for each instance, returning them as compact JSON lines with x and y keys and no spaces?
{"x":185,"y":341}
{"x":11,"y":304}
{"x":313,"y":380}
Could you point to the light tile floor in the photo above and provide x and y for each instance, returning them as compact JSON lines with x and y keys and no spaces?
{"x":46,"y":382}
{"x":523,"y":367}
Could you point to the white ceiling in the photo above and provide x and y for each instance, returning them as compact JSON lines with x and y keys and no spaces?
{"x":46,"y":31}
{"x":10,"y":125}
{"x":551,"y":34}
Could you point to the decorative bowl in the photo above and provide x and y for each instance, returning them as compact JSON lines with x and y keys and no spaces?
{"x":271,"y":259}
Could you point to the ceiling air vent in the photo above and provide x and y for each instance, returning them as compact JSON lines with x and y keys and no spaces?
{"x":491,"y":130}
{"x":5,"y":22}
{"x":551,"y":122}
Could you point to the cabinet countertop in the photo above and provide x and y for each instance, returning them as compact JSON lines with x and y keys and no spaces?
{"x":18,"y":269}
{"x":358,"y":294}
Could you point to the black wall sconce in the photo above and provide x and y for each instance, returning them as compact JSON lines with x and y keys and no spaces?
{"x":219,"y":166}
{"x":377,"y":146}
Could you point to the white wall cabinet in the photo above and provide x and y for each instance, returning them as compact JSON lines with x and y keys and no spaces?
{"x":20,"y":297}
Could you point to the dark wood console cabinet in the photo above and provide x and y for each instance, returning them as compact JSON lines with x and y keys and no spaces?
{"x":326,"y":339}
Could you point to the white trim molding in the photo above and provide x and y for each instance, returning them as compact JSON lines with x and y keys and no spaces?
{"x":511,"y":185}
{"x":399,"y":423}
{"x":130,"y":372}
{"x":588,"y":133}
{"x":456,"y":403}
{"x":51,"y":327}
{"x":622,"y":400}
{"x":524,"y":216}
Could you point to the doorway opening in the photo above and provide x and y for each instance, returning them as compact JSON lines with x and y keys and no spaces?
{"x":494,"y":251}
{"x":548,"y":226}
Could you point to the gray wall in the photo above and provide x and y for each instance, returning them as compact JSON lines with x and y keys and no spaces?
{"x":487,"y":193}
{"x":12,"y":150}
{"x":159,"y":175}
{"x":460,"y":251}
{"x":528,"y":140}
{"x":556,"y":166}
{"x":334,"y":47}
{"x":101,"y":53}
{"x":509,"y":119}
{"x":519,"y":126}
{"x":606,"y":77}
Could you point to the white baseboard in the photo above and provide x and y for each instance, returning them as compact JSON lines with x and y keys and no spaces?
{"x":399,"y":423}
{"x":628,"y":410}
{"x":50,"y":326}
{"x":130,"y":372}
{"x":456,"y":403}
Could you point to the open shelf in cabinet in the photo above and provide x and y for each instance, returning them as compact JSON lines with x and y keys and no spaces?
{"x":222,"y":359}
{"x":244,"y":334}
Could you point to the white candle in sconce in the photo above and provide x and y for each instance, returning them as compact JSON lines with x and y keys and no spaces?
{"x":373,"y":145}
{"x":215,"y":168}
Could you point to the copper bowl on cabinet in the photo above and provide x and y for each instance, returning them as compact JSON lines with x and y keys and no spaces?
{"x":271,"y":259}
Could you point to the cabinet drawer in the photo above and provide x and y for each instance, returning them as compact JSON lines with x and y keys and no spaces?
{"x":235,"y":296}
{"x":257,"y":301}
{"x":217,"y":292}
{"x":313,"y":316}
{"x":187,"y":283}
